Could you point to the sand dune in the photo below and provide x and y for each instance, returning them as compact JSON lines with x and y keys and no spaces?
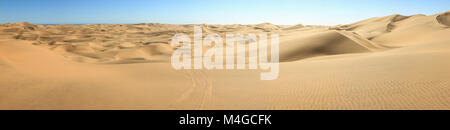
{"x":392,"y":62}
{"x":444,"y":19}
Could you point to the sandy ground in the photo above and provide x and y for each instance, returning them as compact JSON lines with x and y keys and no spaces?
{"x":392,"y":62}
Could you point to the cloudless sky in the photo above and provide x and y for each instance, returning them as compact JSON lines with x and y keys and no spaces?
{"x":310,"y":12}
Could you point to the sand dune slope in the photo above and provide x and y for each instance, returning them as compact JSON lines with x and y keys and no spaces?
{"x":398,"y":30}
{"x":318,"y":44}
{"x":444,"y":19}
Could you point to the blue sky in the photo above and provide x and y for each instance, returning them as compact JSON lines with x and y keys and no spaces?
{"x":311,"y":12}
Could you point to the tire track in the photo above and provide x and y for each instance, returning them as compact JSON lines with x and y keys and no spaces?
{"x":208,"y":92}
{"x":199,"y":83}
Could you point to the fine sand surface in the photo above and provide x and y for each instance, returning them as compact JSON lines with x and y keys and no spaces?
{"x":392,"y":62}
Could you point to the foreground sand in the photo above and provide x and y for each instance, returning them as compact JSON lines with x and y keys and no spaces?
{"x":392,"y":62}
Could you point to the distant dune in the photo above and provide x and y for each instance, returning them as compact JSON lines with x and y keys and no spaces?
{"x":392,"y":62}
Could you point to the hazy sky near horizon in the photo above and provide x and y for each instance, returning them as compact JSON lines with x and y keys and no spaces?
{"x":283,"y":12}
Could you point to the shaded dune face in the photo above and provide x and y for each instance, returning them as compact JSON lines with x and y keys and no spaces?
{"x":444,"y":19}
{"x":319,"y":44}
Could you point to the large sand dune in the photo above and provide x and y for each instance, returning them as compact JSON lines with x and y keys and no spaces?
{"x":392,"y":62}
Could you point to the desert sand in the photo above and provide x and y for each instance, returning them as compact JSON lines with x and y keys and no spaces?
{"x":391,"y":62}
